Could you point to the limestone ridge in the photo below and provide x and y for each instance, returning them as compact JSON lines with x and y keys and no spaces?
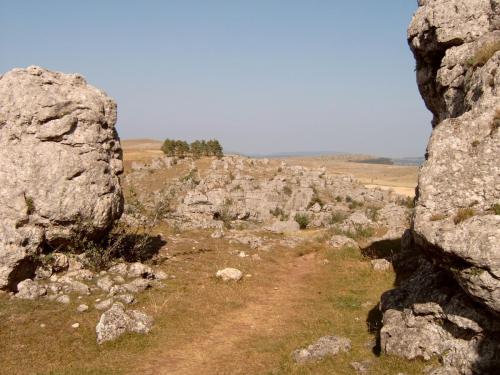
{"x":450,"y":308}
{"x":60,"y":158}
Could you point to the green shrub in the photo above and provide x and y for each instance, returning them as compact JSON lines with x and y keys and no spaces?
{"x":337,"y":217}
{"x":30,"y":205}
{"x":496,"y":208}
{"x":303,"y":220}
{"x":279,"y":213}
{"x":315,"y":199}
{"x":355,"y":204}
{"x":407,"y":202}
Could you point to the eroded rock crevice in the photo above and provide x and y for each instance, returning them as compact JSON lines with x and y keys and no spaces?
{"x":448,"y":305}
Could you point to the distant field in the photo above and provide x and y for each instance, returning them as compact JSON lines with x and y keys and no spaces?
{"x":400,"y":178}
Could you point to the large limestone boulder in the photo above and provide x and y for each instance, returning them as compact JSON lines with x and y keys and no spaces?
{"x":60,"y":158}
{"x":449,"y":308}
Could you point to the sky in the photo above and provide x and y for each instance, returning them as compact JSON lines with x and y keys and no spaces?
{"x":262,"y":76}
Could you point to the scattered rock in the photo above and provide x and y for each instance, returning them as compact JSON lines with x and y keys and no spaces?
{"x":140,"y":270}
{"x":64,"y":299}
{"x":75,"y":325}
{"x":105,"y":283}
{"x":217,"y":234}
{"x":103,"y":305}
{"x":119,"y":269}
{"x":229,"y":274}
{"x":29,"y":289}
{"x":325,"y":346}
{"x":381,"y":265}
{"x":339,"y":241}
{"x":361,"y":367}
{"x":116,"y":321}
{"x":281,"y":227}
{"x":126,"y":298}
{"x":82,"y":308}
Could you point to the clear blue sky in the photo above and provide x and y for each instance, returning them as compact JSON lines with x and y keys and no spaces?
{"x":260,"y":75}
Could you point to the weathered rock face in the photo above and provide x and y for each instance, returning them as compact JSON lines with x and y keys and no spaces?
{"x":60,"y":158}
{"x":457,"y":47}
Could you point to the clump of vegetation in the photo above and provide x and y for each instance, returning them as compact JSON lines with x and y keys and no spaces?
{"x":372,"y":213}
{"x":355,"y":204}
{"x":407,"y":202}
{"x":302,"y":219}
{"x":30,"y":205}
{"x":279,"y":213}
{"x":287,"y":190}
{"x":315,"y":199}
{"x":438,"y":217}
{"x":196,"y":149}
{"x":484,"y":53}
{"x":359,"y":232}
{"x":338,"y":198}
{"x":224,"y":214}
{"x":496,"y":208}
{"x":337,"y":217}
{"x":191,"y":176}
{"x":463,"y":214}
{"x":475,"y":143}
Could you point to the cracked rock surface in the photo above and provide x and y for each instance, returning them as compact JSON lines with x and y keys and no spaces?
{"x":60,"y":158}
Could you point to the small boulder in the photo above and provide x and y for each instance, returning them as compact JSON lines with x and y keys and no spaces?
{"x":339,"y":241}
{"x":64,"y":299}
{"x":82,"y":308}
{"x":119,"y":269}
{"x":116,"y":321}
{"x":29,"y":289}
{"x":325,"y":346}
{"x":281,"y":227}
{"x":229,"y":274}
{"x":103,"y":305}
{"x":105,"y":283}
{"x":138,"y":269}
{"x":381,"y":265}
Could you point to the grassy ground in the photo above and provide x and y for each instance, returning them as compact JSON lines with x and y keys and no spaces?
{"x":205,"y":326}
{"x":287,"y":300}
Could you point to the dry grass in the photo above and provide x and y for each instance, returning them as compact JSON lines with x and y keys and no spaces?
{"x":205,"y":326}
{"x":484,"y":53}
{"x":202,"y":323}
{"x":463,"y":214}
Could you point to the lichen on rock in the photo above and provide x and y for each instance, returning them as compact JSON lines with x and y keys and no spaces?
{"x":60,"y":158}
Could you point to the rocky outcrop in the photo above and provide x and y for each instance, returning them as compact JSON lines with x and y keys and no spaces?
{"x":60,"y":158}
{"x":456,"y":224}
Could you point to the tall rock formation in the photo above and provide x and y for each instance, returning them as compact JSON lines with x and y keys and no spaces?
{"x":60,"y":158}
{"x":449,"y":306}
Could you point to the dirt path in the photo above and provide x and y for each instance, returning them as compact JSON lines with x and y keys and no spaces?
{"x":269,"y":311}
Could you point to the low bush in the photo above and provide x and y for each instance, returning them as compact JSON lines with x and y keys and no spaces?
{"x":303,"y":220}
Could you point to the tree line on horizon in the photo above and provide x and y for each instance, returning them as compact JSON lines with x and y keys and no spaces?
{"x":196,"y":149}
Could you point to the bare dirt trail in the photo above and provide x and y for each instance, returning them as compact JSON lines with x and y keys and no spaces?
{"x":269,"y":311}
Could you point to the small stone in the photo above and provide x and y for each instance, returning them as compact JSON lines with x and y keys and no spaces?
{"x":103,"y":305}
{"x":229,"y":274}
{"x":64,"y":299}
{"x":126,"y":298}
{"x":138,"y":269}
{"x":42,"y":325}
{"x":381,"y":265}
{"x":119,"y":279}
{"x":160,"y":275}
{"x":105,"y":283}
{"x":325,"y":346}
{"x":75,"y":325}
{"x":82,"y":308}
{"x":242,"y":254}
